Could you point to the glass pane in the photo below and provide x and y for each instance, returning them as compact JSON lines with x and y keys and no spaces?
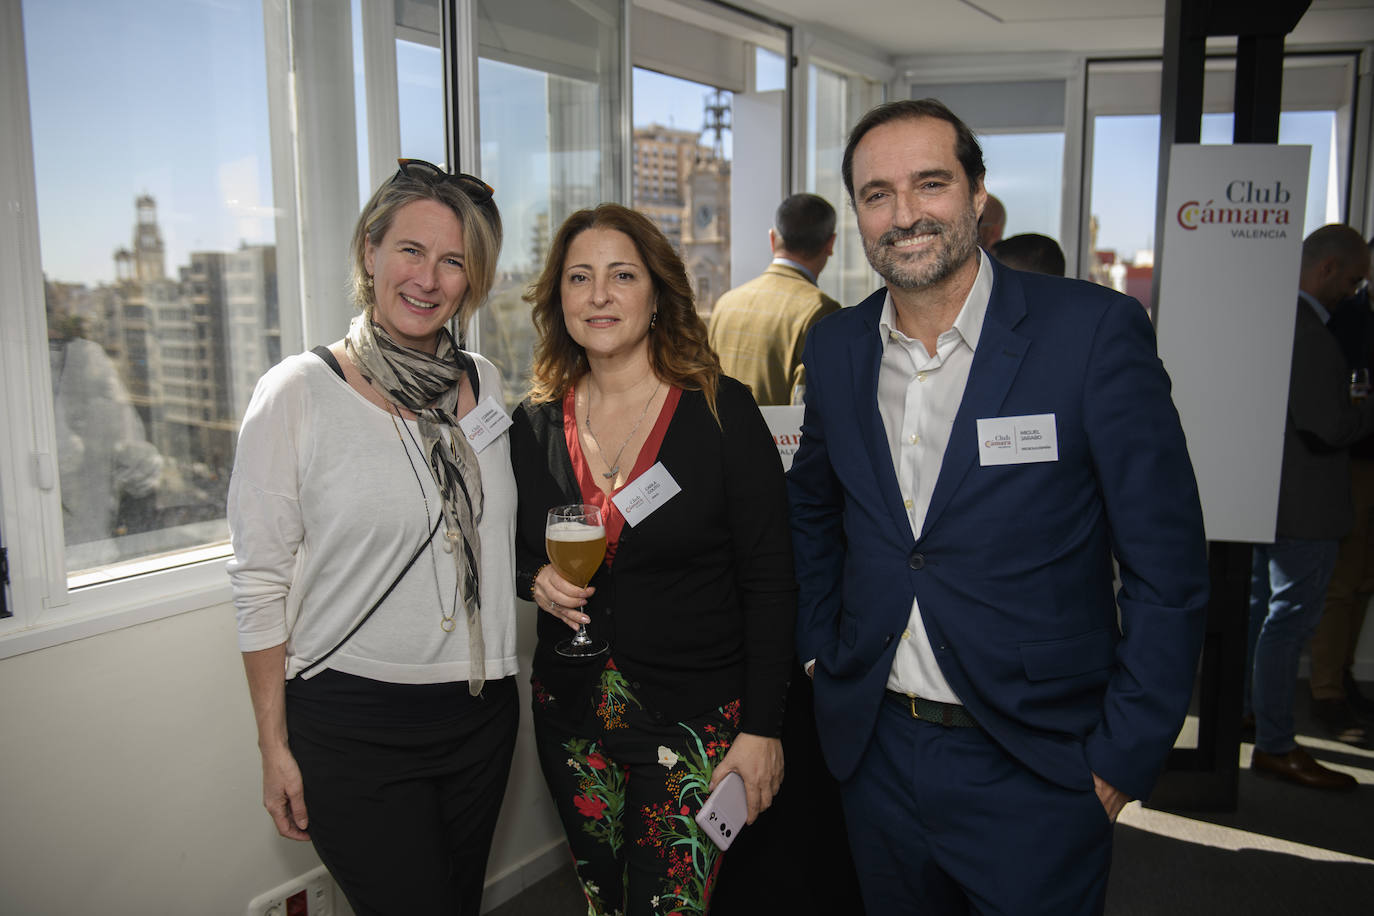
{"x":549,"y":76}
{"x":834,"y":102}
{"x":157,"y":238}
{"x":1026,"y":173}
{"x":682,"y":149}
{"x":1124,"y":182}
{"x":770,"y":70}
{"x":420,"y":94}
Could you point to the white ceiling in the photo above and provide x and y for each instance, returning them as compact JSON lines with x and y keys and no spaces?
{"x":907,"y":28}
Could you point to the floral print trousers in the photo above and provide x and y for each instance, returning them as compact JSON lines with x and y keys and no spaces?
{"x":627,"y":788}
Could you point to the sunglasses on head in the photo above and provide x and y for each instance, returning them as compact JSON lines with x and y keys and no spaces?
{"x":477,"y":190}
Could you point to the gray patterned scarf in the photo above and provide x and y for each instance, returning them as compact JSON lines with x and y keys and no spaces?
{"x":428,"y":386}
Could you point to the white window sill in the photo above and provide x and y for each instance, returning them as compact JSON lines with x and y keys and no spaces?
{"x":108,"y":606}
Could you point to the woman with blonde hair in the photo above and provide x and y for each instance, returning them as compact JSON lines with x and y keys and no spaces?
{"x":696,"y":598}
{"x":372,"y":568}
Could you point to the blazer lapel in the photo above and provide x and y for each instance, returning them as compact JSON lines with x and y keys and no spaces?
{"x":995,"y":364}
{"x":865,"y":356}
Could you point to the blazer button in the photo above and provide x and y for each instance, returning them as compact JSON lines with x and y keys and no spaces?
{"x":917,"y":561}
{"x":634,"y":684}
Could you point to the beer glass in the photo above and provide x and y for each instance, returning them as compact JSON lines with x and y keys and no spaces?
{"x":575,"y":540}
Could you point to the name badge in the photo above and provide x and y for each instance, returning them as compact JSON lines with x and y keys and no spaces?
{"x":484,"y":423}
{"x":642,"y":496}
{"x":1017,"y":440}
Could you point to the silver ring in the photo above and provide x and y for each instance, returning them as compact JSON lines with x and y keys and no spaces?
{"x":553,"y":607}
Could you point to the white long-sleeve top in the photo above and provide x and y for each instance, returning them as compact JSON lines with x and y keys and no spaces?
{"x":324,"y":493}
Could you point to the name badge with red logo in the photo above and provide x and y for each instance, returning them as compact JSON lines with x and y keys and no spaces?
{"x":1017,"y":440}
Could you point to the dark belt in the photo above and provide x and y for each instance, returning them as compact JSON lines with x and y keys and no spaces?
{"x":946,"y":714}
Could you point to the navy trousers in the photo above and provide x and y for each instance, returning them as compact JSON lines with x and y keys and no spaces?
{"x":944,"y":821}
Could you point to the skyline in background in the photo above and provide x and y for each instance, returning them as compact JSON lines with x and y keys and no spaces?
{"x":100,"y":143}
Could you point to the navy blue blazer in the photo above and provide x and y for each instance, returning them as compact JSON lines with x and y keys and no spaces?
{"x":1014,"y":566}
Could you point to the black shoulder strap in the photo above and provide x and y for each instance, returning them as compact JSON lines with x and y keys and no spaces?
{"x":470,"y":369}
{"x":329,"y":359}
{"x":378,"y":603}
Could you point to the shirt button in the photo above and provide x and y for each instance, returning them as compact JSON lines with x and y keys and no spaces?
{"x":920,"y":376}
{"x":906,"y":634}
{"x":917,"y":561}
{"x":907,"y":503}
{"x":914,"y":439}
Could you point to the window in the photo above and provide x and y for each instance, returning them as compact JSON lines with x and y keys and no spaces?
{"x":549,"y":84}
{"x":133,"y":255}
{"x":835,"y":100}
{"x":678,"y":120}
{"x":147,"y":293}
{"x":1026,"y":173}
{"x":1123,"y":148}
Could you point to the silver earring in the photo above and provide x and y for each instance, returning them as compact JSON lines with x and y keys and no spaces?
{"x":653,"y":320}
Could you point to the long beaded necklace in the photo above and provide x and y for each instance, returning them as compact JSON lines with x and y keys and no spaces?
{"x":587,"y":420}
{"x":446,"y":620}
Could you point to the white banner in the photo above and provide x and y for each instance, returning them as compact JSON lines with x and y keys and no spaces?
{"x":785,"y":425}
{"x":1227,"y":302}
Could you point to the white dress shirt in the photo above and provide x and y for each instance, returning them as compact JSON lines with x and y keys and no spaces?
{"x":918,"y":396}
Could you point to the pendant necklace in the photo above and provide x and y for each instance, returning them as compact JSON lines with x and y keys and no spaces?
{"x":614,"y":465}
{"x":446,"y":620}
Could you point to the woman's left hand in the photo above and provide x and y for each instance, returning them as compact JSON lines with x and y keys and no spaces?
{"x":758,"y":761}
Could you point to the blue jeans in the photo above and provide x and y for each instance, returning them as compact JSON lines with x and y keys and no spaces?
{"x":1288,"y":582}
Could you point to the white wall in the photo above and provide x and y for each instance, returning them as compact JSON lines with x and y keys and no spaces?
{"x":130,"y":781}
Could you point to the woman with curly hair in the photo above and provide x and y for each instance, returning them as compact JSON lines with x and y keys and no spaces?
{"x":696,"y":598}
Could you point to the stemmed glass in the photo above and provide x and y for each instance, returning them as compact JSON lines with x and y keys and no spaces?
{"x":575,"y":540}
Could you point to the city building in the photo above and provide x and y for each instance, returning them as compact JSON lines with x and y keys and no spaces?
{"x":683,"y":185}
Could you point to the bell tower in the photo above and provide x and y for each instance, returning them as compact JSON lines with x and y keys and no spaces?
{"x":149,"y":262}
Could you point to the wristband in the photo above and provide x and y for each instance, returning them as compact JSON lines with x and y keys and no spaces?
{"x":535,"y":579}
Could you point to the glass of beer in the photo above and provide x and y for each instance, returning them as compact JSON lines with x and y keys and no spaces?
{"x":575,"y":540}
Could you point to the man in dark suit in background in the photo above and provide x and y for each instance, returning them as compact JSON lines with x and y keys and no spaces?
{"x":1337,"y":702}
{"x":1030,"y":251}
{"x":978,"y":444}
{"x":1289,"y":577}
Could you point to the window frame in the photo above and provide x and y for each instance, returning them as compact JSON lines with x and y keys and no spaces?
{"x":846,"y":287}
{"x":48,"y":606}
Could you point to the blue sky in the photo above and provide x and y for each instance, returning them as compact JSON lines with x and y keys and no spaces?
{"x":129,"y":97}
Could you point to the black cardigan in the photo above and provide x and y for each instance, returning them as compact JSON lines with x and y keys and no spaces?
{"x":700,"y":603}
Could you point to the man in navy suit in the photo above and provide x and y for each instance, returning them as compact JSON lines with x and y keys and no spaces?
{"x":978,"y":444}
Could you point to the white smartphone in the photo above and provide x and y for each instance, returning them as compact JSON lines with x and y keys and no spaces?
{"x":726,"y":811}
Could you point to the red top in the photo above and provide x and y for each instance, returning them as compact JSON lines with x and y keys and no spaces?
{"x":586,"y":481}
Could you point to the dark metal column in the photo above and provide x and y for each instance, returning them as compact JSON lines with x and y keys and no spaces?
{"x":1206,"y":778}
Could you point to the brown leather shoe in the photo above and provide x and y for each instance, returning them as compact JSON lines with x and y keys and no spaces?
{"x":1298,"y":766}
